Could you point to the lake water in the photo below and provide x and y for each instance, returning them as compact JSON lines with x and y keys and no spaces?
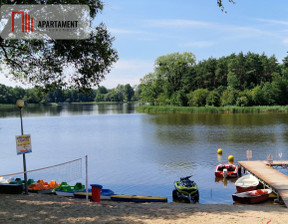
{"x":143,"y":154}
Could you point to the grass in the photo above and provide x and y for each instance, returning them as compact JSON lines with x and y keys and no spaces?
{"x":212,"y":109}
{"x":7,"y":105}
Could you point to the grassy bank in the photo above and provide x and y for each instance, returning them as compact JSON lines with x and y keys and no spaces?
{"x":7,"y":105}
{"x":211,"y":109}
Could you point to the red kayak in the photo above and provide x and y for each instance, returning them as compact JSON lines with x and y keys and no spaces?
{"x":226,"y":170}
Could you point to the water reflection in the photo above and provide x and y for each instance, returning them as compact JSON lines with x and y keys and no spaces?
{"x":69,"y":109}
{"x":225,"y":180}
{"x":215,"y":128}
{"x":241,"y":119}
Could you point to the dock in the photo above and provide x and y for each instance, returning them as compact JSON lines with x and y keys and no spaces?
{"x":270,"y":177}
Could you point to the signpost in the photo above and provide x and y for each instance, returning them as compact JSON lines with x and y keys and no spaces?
{"x":23,"y":143}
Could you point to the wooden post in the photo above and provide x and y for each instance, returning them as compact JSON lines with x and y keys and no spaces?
{"x":86,"y":162}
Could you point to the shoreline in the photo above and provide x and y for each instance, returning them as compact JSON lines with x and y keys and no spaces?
{"x":212,"y":109}
{"x":41,"y":208}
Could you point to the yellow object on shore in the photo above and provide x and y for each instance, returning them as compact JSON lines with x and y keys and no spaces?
{"x":219,"y":151}
{"x":231,"y":159}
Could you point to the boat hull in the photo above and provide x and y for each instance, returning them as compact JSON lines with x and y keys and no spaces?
{"x":11,"y":188}
{"x":244,"y":189}
{"x":138,"y":199}
{"x":143,"y":199}
{"x":122,"y":197}
{"x":247,"y":198}
{"x":65,"y":193}
{"x":246,"y":183}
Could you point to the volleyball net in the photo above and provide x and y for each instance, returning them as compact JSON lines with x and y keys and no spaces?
{"x":70,"y":171}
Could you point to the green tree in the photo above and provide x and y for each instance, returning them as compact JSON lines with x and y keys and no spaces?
{"x":100,"y":94}
{"x":150,"y":88}
{"x":42,"y":62}
{"x":128,"y":92}
{"x":280,"y":89}
{"x":179,"y":98}
{"x":114,"y":96}
{"x":171,"y":68}
{"x":35,"y":95}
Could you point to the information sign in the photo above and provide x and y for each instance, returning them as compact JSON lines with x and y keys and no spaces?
{"x":23,"y":144}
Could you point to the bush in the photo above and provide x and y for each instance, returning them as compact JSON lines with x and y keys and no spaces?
{"x":229,"y":97}
{"x":197,"y":97}
{"x":244,"y":99}
{"x":213,"y":99}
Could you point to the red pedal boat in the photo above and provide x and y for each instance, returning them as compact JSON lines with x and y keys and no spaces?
{"x":226,"y":170}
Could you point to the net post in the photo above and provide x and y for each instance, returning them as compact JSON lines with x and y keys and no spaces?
{"x":86,"y":162}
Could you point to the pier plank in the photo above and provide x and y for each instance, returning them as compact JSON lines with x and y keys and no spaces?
{"x":275,"y":179}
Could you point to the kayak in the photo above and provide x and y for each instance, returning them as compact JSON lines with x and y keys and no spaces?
{"x":138,"y":198}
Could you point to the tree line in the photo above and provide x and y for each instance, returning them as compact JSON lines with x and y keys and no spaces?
{"x":238,"y":79}
{"x":235,"y":80}
{"x":122,"y":93}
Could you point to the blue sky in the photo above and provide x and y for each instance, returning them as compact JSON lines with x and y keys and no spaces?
{"x":147,"y":29}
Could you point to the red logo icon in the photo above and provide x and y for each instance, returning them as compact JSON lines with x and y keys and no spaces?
{"x":27,"y":21}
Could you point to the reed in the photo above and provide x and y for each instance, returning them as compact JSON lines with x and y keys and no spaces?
{"x":7,"y":106}
{"x":212,"y":109}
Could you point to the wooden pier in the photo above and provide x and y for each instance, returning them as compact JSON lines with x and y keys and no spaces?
{"x":274,"y":179}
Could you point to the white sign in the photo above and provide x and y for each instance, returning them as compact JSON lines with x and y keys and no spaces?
{"x":23,"y":144}
{"x":270,"y":159}
{"x":249,"y":154}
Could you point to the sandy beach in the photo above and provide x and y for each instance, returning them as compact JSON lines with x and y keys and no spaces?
{"x":39,"y":208}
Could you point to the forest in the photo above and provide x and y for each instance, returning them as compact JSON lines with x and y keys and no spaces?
{"x":236,"y":80}
{"x":122,"y":93}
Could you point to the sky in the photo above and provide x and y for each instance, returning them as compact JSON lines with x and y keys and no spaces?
{"x":147,"y":29}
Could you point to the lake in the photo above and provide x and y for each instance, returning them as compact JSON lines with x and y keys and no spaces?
{"x":137,"y":153}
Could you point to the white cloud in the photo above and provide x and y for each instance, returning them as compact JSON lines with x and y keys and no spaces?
{"x":272,"y":21}
{"x":176,"y":23}
{"x":198,"y":44}
{"x":128,"y":71}
{"x":125,"y":31}
{"x":285,"y":41}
